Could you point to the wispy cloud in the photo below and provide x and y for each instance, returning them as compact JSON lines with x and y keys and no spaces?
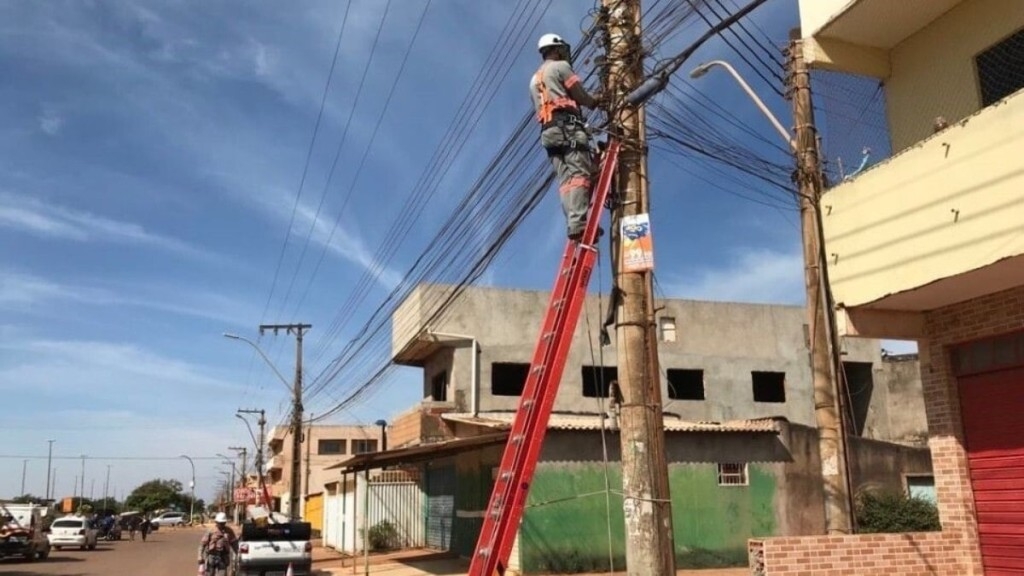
{"x":750,"y":275}
{"x":48,"y":220}
{"x":50,"y":121}
{"x":101,"y":367}
{"x":26,"y":292}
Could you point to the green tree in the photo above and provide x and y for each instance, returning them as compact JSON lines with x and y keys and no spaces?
{"x":156,"y":495}
{"x":28,"y":499}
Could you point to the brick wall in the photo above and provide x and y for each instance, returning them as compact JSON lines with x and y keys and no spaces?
{"x":421,"y":425}
{"x":912,"y":554}
{"x":954,"y":551}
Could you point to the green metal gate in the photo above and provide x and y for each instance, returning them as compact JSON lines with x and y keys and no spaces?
{"x":440,"y":513}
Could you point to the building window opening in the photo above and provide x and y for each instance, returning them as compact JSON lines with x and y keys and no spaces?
{"x":597,"y":380}
{"x":769,"y":386}
{"x":364,"y":446}
{"x":684,"y":384}
{"x":508,"y":378}
{"x":667,"y":328}
{"x":1001,"y":69}
{"x":330,"y":447}
{"x":732,"y":475}
{"x":860,"y":385}
{"x":439,"y":387}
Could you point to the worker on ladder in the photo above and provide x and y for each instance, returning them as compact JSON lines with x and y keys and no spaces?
{"x":558,"y":94}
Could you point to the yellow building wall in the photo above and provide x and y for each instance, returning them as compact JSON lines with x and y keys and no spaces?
{"x":949,"y":205}
{"x":933,"y":72}
{"x":815,"y":13}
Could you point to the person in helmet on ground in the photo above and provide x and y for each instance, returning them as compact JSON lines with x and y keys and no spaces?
{"x":216,"y":547}
{"x":558,"y":94}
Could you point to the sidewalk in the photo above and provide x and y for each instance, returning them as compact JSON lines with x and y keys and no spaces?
{"x":429,"y":563}
{"x":402,"y":563}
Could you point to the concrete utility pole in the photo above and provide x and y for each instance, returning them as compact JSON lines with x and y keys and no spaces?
{"x":299,"y":331}
{"x":241,"y":481}
{"x":831,"y":431}
{"x":24,"y":468}
{"x":647,"y":505}
{"x":106,"y":487}
{"x":81,"y":496}
{"x":259,"y":445}
{"x":49,"y":463}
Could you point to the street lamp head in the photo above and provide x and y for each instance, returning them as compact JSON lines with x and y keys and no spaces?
{"x":700,"y":70}
{"x":232,"y":336}
{"x":381,"y":422}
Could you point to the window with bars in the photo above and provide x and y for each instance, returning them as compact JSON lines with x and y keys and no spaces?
{"x":732,"y":474}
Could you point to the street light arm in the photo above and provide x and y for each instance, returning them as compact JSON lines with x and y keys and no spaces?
{"x":262,"y":355}
{"x":255,"y":442}
{"x":703,"y":69}
{"x":192,"y":488}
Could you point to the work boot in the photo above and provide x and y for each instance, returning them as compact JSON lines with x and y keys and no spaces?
{"x":577,"y":236}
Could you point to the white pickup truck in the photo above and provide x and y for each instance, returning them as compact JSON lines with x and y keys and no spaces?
{"x":22,"y":532}
{"x":267,"y":548}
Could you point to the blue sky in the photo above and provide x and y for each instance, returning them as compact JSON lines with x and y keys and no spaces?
{"x":150,"y":154}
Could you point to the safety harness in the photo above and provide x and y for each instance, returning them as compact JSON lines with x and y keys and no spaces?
{"x":554,"y":111}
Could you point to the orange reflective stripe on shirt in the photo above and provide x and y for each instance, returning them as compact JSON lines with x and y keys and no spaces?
{"x":548,"y":105}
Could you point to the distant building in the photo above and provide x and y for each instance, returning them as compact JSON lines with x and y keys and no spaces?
{"x":740,"y":429}
{"x":325,"y":444}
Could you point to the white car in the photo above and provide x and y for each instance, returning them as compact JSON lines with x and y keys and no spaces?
{"x":73,"y":531}
{"x":169,"y":519}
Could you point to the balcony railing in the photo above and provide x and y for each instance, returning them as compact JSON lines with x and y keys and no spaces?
{"x":936,"y":224}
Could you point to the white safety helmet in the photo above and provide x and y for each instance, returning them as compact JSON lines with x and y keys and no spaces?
{"x":221,"y":518}
{"x":550,"y":41}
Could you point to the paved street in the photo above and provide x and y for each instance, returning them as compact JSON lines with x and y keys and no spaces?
{"x":167,"y":552}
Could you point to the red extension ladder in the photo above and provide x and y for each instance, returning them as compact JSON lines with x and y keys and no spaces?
{"x":505,"y":509}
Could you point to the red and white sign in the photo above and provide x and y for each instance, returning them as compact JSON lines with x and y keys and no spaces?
{"x":247,"y":495}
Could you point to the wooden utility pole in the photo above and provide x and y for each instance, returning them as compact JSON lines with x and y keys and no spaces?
{"x":299,"y":331}
{"x":650,"y":549}
{"x":824,"y":369}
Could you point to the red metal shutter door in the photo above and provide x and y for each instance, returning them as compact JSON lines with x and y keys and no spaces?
{"x":993,"y":419}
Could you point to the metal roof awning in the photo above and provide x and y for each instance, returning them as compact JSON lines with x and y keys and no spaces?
{"x":420,"y":453}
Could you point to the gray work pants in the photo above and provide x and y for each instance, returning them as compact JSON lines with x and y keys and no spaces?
{"x":569,"y":150}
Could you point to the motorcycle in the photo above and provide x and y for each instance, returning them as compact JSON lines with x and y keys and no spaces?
{"x":109,"y":533}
